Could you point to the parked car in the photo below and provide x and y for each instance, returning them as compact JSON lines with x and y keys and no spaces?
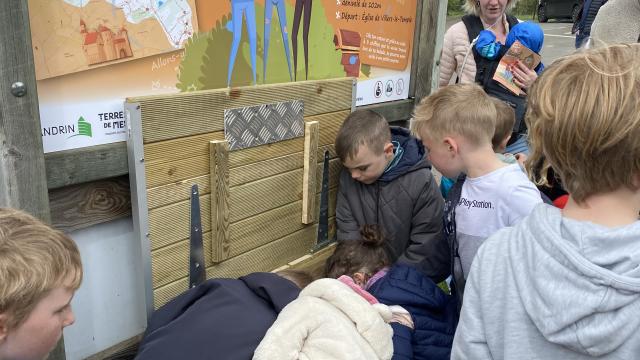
{"x":558,"y":9}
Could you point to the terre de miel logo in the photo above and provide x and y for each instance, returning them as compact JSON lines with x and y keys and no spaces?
{"x":84,"y":128}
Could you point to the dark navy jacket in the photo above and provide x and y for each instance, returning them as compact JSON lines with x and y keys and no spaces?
{"x":433,"y":313}
{"x":219,"y":319}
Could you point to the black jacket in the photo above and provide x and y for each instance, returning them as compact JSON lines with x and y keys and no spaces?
{"x":406,"y":203}
{"x":219,"y":319}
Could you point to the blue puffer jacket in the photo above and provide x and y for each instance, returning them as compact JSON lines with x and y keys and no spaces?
{"x":433,"y":313}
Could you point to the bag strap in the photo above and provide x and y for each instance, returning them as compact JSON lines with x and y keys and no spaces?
{"x":450,"y":204}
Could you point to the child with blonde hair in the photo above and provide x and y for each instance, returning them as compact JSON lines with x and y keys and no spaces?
{"x":40,"y":269}
{"x":456,"y":125}
{"x":565,"y":284}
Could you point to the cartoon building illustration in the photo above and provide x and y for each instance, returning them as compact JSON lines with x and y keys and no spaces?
{"x":349,"y":43}
{"x":104,"y":45}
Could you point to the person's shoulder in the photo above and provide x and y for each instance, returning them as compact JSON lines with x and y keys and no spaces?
{"x":457,"y":31}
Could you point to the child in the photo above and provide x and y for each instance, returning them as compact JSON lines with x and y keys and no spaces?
{"x":387,"y":181}
{"x":40,"y":269}
{"x":428,"y":331}
{"x":505,"y":118}
{"x":220,"y":318}
{"x":565,"y":284}
{"x":328,"y":321}
{"x":527,"y":33}
{"x":456,"y":125}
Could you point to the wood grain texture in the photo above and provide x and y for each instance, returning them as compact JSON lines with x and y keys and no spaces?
{"x":159,"y":173}
{"x":203,"y":111}
{"x":23,"y":183}
{"x":311,"y":130}
{"x":179,"y":191}
{"x":426,"y":72}
{"x":219,"y":200}
{"x":83,"y":165}
{"x":264,"y":258}
{"x":314,"y":263}
{"x":80,"y":206}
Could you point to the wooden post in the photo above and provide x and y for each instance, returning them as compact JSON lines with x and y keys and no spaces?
{"x":23,"y":183}
{"x":219,"y":165}
{"x":432,"y":22}
{"x":311,"y":133}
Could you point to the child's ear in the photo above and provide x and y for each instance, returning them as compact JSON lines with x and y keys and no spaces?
{"x":4,"y":330}
{"x":451,"y":145}
{"x":360,"y":279}
{"x":388,"y":149}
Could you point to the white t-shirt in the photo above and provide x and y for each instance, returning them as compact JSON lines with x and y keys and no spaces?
{"x":489,"y":203}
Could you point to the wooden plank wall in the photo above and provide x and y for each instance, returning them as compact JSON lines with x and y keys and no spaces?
{"x":265,"y":182}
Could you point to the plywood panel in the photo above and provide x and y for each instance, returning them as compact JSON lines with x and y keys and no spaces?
{"x":264,"y":258}
{"x":202,"y":111}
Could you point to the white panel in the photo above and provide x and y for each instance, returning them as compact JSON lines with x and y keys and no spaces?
{"x":109,"y":306}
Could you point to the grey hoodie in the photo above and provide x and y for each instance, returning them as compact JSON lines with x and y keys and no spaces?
{"x":553,"y":288}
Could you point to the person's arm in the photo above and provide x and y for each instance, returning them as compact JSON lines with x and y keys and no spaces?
{"x":448,"y":63}
{"x":286,"y":337}
{"x":428,"y":249}
{"x":402,"y":348}
{"x":521,"y":201}
{"x":347,"y":227}
{"x":470,"y":341}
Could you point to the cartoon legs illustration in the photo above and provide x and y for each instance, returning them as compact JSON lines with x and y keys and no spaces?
{"x":238,"y":7}
{"x":282,"y":16}
{"x":297,"y":17}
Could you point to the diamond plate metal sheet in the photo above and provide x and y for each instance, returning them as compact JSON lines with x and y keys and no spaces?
{"x":263,"y":124}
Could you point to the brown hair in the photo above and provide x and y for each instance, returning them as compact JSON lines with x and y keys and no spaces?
{"x":367,"y":254}
{"x":461,"y":109}
{"x":362,"y":127}
{"x":34,"y":259}
{"x":298,"y":277}
{"x":505,"y":119}
{"x":584,"y":121}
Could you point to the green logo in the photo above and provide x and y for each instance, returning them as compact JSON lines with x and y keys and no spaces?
{"x":84,"y":128}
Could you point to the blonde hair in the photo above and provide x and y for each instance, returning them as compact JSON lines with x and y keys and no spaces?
{"x":461,"y":109}
{"x":584,"y":121}
{"x":472,"y":7}
{"x":34,"y":259}
{"x":505,"y":119}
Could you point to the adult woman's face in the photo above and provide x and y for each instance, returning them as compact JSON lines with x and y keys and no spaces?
{"x":492,"y":10}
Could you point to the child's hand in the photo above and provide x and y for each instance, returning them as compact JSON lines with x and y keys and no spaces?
{"x":522,"y":75}
{"x":521,"y":158}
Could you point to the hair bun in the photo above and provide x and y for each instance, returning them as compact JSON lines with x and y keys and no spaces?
{"x":371,"y":235}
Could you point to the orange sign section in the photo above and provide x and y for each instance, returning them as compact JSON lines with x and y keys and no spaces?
{"x":380,"y":32}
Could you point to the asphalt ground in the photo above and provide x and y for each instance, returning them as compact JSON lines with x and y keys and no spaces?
{"x":558,"y":40}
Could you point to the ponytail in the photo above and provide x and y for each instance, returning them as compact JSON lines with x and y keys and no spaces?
{"x":367,"y":254}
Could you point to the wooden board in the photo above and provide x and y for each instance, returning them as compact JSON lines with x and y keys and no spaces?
{"x":160,"y":173}
{"x":311,"y":131}
{"x":219,"y":200}
{"x":80,"y":206}
{"x":203,"y":111}
{"x":263,"y":258}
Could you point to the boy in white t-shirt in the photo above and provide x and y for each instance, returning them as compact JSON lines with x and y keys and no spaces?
{"x":456,"y":125}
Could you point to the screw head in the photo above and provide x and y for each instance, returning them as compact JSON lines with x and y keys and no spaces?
{"x":18,"y":89}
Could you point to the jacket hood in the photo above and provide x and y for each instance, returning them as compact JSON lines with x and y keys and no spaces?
{"x":412,"y":158}
{"x":367,"y":322}
{"x":529,"y":34}
{"x":276,"y":290}
{"x":579,"y":282}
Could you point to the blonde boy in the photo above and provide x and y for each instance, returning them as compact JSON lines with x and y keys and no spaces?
{"x":387,"y":182}
{"x":456,"y":125}
{"x":565,"y":284}
{"x":505,"y":119}
{"x":40,"y":269}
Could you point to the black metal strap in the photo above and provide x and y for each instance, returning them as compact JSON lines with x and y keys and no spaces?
{"x":197,"y":272}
